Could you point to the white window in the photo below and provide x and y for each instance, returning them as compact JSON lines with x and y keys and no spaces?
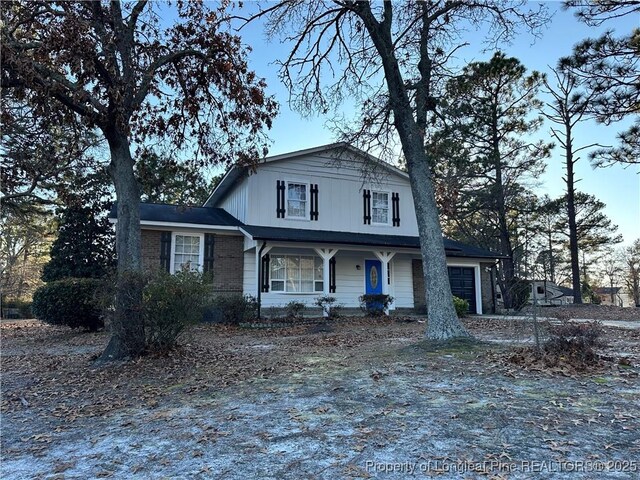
{"x":380,"y":207}
{"x":187,"y":252}
{"x":297,"y":200}
{"x":296,"y":274}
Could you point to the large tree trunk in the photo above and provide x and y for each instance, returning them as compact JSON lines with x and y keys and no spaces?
{"x":127,"y":335}
{"x":442,"y":320}
{"x":571,"y":214}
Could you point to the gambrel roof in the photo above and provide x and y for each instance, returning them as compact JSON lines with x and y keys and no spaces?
{"x":235,"y":174}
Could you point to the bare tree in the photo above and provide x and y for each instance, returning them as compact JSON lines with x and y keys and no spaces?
{"x":116,"y":67}
{"x":612,"y":268}
{"x":392,"y":58}
{"x":632,"y":271}
{"x":609,"y":68}
{"x":570,"y":106}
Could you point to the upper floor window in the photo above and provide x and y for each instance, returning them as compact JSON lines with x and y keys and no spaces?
{"x":380,"y":207}
{"x":297,"y":196}
{"x":187,"y":252}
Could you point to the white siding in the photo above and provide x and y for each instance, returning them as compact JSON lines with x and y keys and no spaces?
{"x":402,"y":278}
{"x":339,"y":195}
{"x":236,"y":202}
{"x":349,"y":280}
{"x":249,"y":277}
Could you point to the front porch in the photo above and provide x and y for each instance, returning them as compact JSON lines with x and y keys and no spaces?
{"x":285,"y":264}
{"x":285,"y":272}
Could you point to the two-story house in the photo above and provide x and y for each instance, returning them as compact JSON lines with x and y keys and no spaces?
{"x":330,"y":220}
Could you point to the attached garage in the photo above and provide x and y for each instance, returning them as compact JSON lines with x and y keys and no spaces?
{"x":463,"y":285}
{"x":468,"y":280}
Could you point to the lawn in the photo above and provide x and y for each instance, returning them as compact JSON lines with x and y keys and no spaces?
{"x":367,"y":398}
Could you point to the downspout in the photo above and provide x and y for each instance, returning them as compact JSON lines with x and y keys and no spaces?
{"x":264,"y":244}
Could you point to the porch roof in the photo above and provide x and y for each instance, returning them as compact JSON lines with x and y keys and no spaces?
{"x":158,"y":212}
{"x":452,"y":247}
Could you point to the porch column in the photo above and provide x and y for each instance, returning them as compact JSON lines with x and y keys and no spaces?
{"x":326,"y":254}
{"x":261,"y":251}
{"x":385,"y":258}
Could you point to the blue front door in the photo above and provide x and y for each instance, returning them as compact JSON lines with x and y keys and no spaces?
{"x":373,"y":276}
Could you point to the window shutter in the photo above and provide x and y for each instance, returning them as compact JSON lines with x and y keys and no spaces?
{"x":264,"y":280}
{"x":314,"y":202}
{"x":280,"y":210}
{"x":366,"y":203}
{"x":395,"y":202}
{"x":209,"y":247}
{"x":165,"y":251}
{"x":332,"y":275}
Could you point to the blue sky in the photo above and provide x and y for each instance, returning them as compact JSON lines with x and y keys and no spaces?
{"x":617,"y":187}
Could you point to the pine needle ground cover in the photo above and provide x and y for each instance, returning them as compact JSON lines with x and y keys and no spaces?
{"x":364,"y":398}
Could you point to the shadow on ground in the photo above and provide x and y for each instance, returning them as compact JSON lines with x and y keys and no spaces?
{"x":357,"y":402}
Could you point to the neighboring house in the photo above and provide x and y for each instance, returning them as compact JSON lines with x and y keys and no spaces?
{"x":310,"y":223}
{"x":545,"y":293}
{"x":620,"y":298}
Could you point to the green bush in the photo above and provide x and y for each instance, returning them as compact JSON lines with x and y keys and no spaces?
{"x":294,"y":310}
{"x":236,"y":308}
{"x":170,"y":304}
{"x":330,"y":308}
{"x":375,"y":304}
{"x":71,"y":302}
{"x":461,"y":305}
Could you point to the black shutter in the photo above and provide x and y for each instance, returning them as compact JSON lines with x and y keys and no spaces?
{"x":165,"y":251}
{"x":332,"y":275}
{"x":264,"y":274}
{"x":366,"y":203}
{"x":280,"y":211}
{"x":395,"y":202}
{"x":314,"y":202}
{"x":209,"y":242}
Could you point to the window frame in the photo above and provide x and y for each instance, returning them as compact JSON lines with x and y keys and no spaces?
{"x":307,"y":202}
{"x":172,"y":258}
{"x":285,"y":280}
{"x":388,"y":194}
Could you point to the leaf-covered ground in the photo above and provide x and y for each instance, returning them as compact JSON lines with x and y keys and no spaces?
{"x":593,"y":312}
{"x":359,"y":400}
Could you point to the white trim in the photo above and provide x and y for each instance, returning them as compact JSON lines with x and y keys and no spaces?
{"x":172,"y":259}
{"x":307,"y":202}
{"x":335,"y":146}
{"x":364,"y":273}
{"x":285,"y":280}
{"x":388,"y":222}
{"x":199,"y":226}
{"x":219,"y":183}
{"x":477,"y":280}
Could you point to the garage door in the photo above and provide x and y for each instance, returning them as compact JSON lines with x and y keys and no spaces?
{"x":463,"y":285}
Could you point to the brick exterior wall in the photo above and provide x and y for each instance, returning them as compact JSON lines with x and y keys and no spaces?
{"x":228,"y":263}
{"x":228,"y":255}
{"x":418,"y":287}
{"x":151,"y":249}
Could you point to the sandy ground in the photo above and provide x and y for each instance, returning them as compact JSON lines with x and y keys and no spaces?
{"x":368,"y":399}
